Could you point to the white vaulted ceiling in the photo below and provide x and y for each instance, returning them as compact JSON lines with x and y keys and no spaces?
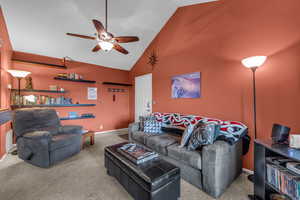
{"x":40,"y":26}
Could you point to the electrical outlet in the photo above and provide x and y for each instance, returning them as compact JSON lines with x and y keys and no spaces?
{"x":101,"y":126}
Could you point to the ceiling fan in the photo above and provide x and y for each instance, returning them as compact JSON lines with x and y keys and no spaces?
{"x":106,"y":40}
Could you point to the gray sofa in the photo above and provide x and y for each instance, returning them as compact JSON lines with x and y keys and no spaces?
{"x":41,"y":139}
{"x":212,"y":169}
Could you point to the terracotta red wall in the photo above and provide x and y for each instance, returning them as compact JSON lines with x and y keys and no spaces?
{"x":213,"y":38}
{"x":112,"y":115}
{"x":6,"y":53}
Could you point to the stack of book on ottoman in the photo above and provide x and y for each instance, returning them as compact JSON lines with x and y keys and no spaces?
{"x":137,"y":153}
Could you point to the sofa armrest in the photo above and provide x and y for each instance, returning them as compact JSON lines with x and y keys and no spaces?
{"x":70,"y":129}
{"x":37,"y":135}
{"x":133,"y":127}
{"x":221,"y":164}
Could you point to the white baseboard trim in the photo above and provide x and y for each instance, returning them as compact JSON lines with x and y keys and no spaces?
{"x":3,"y":157}
{"x":112,"y":131}
{"x":248,"y":171}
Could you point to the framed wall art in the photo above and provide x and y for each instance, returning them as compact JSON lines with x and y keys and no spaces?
{"x":186,"y":86}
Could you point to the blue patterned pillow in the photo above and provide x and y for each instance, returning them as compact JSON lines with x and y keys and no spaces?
{"x":152,"y":126}
{"x":204,"y":134}
{"x":142,"y":119}
{"x":186,"y":135}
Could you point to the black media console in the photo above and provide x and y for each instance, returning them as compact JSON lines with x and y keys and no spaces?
{"x":263,"y":151}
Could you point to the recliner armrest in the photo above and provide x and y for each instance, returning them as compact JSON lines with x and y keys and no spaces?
{"x":34,"y":147}
{"x":70,"y":129}
{"x":37,"y":135}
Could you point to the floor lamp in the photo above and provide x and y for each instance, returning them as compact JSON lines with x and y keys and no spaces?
{"x":18,"y":74}
{"x":254,"y":63}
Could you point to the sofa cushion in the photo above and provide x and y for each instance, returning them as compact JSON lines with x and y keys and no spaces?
{"x":192,"y":158}
{"x":175,"y":136}
{"x":139,"y":136}
{"x":159,"y":143}
{"x":63,"y":140}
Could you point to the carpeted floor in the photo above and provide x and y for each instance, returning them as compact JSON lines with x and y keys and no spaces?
{"x":83,"y":177}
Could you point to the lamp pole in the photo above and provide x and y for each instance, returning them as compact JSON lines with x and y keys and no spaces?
{"x":253,"y":69}
{"x":251,"y":177}
{"x":19,"y":90}
{"x":253,"y":63}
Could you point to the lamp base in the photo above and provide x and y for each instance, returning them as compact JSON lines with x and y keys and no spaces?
{"x":14,"y":152}
{"x":253,"y":197}
{"x":251,"y":178}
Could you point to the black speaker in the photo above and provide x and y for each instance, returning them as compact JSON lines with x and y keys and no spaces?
{"x":280,"y":133}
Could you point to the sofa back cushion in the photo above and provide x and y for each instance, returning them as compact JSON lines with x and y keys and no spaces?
{"x":28,"y":120}
{"x":172,"y":129}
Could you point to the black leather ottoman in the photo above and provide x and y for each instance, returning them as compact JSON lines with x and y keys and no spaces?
{"x":153,"y":180}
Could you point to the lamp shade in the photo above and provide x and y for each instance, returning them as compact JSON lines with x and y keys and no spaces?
{"x":106,"y":46}
{"x":18,"y":73}
{"x":254,"y":61}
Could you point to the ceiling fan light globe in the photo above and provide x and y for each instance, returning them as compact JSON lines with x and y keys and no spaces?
{"x":106,"y":46}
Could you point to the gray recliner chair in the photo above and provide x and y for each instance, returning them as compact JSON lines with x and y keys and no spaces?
{"x":41,"y":139}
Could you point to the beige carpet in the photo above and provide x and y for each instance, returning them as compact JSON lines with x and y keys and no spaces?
{"x":83,"y":177}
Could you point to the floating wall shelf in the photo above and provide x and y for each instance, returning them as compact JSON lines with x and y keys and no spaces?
{"x":74,"y":118}
{"x":51,"y":105}
{"x":120,"y":84}
{"x":40,"y":63}
{"x":46,"y":91}
{"x":74,"y":80}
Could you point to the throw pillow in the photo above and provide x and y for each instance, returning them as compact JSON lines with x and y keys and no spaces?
{"x":186,"y":135}
{"x":204,"y":134}
{"x":142,"y":119}
{"x":152,"y":127}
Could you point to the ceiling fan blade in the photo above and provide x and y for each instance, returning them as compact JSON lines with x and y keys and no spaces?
{"x":99,"y":26}
{"x":125,"y":39}
{"x":120,"y":49}
{"x":96,"y":48}
{"x":81,"y":36}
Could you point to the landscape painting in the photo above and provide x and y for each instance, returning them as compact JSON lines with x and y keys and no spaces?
{"x":186,"y":86}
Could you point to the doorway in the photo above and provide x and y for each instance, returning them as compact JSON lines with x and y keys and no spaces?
{"x":143,"y":96}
